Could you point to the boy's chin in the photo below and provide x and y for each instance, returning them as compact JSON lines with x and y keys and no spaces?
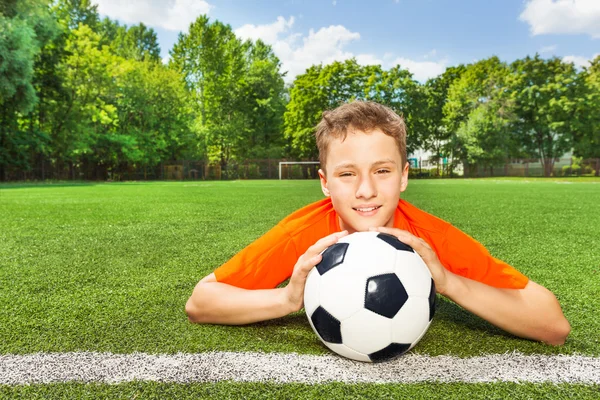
{"x":364,"y":226}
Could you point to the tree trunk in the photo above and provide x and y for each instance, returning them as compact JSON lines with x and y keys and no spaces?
{"x":548,"y":166}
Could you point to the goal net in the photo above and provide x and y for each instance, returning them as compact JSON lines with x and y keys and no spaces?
{"x":298,"y":169}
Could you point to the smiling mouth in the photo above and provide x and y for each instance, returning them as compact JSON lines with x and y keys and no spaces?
{"x":367,"y":209}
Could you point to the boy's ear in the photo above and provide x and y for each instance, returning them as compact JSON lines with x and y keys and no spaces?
{"x":404,"y":183}
{"x":323,"y":182}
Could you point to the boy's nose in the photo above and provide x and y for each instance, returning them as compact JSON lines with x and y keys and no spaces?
{"x":366,"y":188}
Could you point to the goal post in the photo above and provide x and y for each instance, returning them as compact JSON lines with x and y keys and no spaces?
{"x":282,"y":163}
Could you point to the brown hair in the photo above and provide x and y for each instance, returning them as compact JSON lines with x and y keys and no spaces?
{"x":365,"y":116}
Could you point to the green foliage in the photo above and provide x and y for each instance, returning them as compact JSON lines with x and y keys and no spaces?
{"x":544,"y":94}
{"x":486,"y":136}
{"x":587,"y":137}
{"x":398,"y":90}
{"x":72,"y":13}
{"x":323,"y":88}
{"x":477,"y":115}
{"x":88,"y":93}
{"x":436,"y":134}
{"x":137,"y":42}
{"x":26,"y":27}
{"x":236,"y":91}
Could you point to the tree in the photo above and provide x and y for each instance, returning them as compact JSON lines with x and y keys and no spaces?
{"x":477,"y":112}
{"x":319,"y":89}
{"x":136,"y":42}
{"x":90,"y":116}
{"x":210,"y":58}
{"x":153,"y":117}
{"x":544,"y":97}
{"x":398,"y":90}
{"x":263,"y":103}
{"x":486,"y":136}
{"x":587,"y":137}
{"x":72,"y":13}
{"x":26,"y":26}
{"x":232,"y":84}
{"x":436,"y":133}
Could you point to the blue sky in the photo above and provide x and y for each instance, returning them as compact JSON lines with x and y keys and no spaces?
{"x":424,"y":36}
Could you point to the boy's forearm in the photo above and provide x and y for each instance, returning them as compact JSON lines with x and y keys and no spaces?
{"x":220,"y":303}
{"x":532,"y":312}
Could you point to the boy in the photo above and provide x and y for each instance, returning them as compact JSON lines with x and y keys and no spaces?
{"x":362,"y":150}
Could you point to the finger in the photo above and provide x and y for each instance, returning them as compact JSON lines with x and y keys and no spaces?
{"x":396,"y":232}
{"x":303,"y":268}
{"x":413,"y":241}
{"x":324,"y":243}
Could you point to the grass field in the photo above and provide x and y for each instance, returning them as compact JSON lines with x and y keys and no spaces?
{"x":108,"y":268}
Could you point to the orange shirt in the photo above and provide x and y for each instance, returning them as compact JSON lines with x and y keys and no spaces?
{"x":270,"y":259}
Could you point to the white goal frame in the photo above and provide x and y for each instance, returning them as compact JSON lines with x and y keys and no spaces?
{"x":295,"y":162}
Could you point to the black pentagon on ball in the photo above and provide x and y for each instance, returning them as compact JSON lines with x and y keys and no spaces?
{"x":432,"y":298}
{"x":327,"y":326}
{"x":389,"y":352}
{"x":385,"y":295}
{"x":332,"y":257}
{"x":393,"y":240}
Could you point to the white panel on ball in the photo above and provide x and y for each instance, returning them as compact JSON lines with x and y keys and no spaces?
{"x":368,"y":251}
{"x":313,"y":288}
{"x":411,"y":321}
{"x":366,"y":332}
{"x":345,"y":351}
{"x":420,"y":336}
{"x":343,"y":288}
{"x":413,"y":273}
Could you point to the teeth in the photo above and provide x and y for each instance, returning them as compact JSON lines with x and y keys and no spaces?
{"x":366,"y":209}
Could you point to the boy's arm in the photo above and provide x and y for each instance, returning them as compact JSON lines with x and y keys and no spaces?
{"x":532,"y":312}
{"x":213,"y":302}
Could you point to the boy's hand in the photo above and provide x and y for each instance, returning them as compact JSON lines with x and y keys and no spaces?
{"x":438,"y":272}
{"x":294,"y":291}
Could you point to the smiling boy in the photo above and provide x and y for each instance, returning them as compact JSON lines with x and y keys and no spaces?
{"x":362,"y":150}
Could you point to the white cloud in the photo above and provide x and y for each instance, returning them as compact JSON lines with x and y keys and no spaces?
{"x":422,"y":70}
{"x":563,"y":16}
{"x":368,"y":59}
{"x":297,"y":51}
{"x":267,"y":33}
{"x":173,"y":15}
{"x":579,"y":61}
{"x":547,"y":49}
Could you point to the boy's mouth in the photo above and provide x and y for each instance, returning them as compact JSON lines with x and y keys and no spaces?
{"x":366,"y":210}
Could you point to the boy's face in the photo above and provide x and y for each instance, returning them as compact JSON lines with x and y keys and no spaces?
{"x":365,"y":177}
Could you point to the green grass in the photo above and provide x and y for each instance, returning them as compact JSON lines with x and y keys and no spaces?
{"x":109,"y":267}
{"x":230,"y":390}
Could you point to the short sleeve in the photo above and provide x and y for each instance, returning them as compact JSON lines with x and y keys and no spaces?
{"x":465,"y":256}
{"x":263,"y":264}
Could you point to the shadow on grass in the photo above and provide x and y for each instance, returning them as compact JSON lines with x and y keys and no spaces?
{"x":446,"y":312}
{"x":449,"y":312}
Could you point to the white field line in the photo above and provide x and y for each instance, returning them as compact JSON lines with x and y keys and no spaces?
{"x":291,"y":367}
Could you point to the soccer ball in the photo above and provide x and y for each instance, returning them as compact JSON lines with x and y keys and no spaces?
{"x":371,"y":298}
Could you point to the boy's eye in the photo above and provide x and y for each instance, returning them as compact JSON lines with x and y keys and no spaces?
{"x":383,"y":171}
{"x":343,"y":174}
